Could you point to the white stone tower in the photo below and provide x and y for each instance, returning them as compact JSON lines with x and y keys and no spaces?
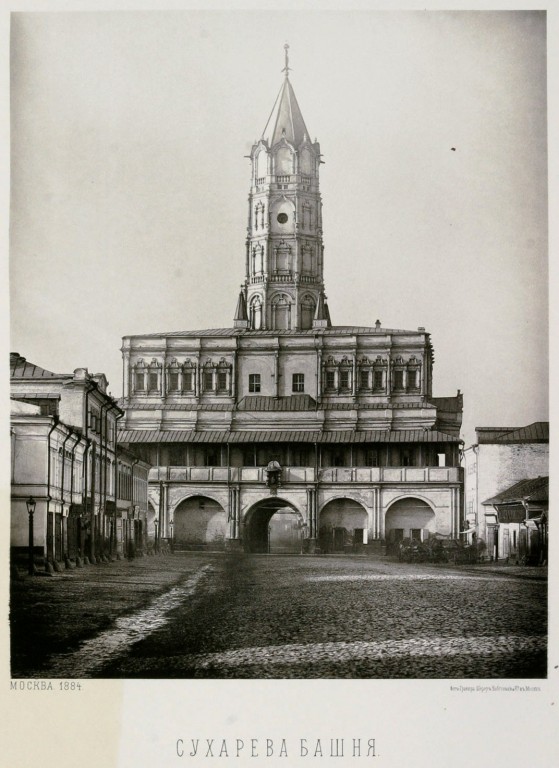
{"x":284,"y":286}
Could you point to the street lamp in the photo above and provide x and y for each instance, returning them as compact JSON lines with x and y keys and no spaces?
{"x":171,"y":523}
{"x":31,"y":504}
{"x":156,"y":523}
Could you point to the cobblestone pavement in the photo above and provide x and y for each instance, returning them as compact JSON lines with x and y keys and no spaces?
{"x":300,"y":617}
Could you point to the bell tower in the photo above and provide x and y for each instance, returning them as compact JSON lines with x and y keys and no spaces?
{"x":284,"y":286}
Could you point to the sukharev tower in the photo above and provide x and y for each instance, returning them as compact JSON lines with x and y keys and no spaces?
{"x":284,"y":432}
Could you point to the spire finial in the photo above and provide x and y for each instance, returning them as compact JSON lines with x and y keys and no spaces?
{"x":286,"y":69}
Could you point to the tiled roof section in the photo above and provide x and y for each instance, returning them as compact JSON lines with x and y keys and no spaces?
{"x":336,"y":330}
{"x":538,"y":432}
{"x":20,"y":368}
{"x":533,"y":489}
{"x":288,"y":403}
{"x":284,"y":436}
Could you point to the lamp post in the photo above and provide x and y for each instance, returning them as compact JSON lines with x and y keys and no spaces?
{"x":171,"y":523}
{"x":31,"y":503}
{"x":156,"y":523}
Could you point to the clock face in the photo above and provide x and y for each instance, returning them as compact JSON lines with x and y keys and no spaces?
{"x":282,"y":218}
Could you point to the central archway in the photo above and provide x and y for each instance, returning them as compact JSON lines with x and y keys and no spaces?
{"x":273,"y":526}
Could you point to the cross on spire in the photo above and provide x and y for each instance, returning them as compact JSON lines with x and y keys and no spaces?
{"x":287,"y":68}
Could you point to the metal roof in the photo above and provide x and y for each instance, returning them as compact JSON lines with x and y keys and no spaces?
{"x":335,"y":330}
{"x":35,"y":396}
{"x":532,"y":489}
{"x":20,"y":368}
{"x":287,"y":403}
{"x":285,"y":436}
{"x":264,"y":403}
{"x":537,"y":432}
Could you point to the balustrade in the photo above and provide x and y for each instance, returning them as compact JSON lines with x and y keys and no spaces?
{"x":307,"y":474}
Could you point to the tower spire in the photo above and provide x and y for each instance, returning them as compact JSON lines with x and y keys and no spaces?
{"x":287,"y":68}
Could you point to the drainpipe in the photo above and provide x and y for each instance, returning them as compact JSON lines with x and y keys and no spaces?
{"x":103,"y":465}
{"x":136,"y":461}
{"x":54,"y":424}
{"x":88,"y":445}
{"x":68,"y":436}
{"x":119,"y":415}
{"x":75,"y":445}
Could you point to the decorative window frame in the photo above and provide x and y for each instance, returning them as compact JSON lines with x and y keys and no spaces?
{"x":189,"y":370}
{"x":255,"y":309}
{"x":155,"y":368}
{"x":259,"y":215}
{"x":139,"y":369}
{"x":283,"y":247}
{"x":173,"y":369}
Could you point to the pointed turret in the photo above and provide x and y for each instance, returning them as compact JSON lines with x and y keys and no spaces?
{"x":286,"y":121}
{"x":241,"y":316}
{"x":284,"y":264}
{"x":322,"y":315}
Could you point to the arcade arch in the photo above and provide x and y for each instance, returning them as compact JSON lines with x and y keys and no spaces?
{"x":342,"y":523}
{"x":200,"y":522}
{"x":409,"y":518}
{"x":273,"y":526}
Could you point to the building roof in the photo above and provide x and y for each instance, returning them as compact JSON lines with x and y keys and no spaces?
{"x":286,"y":120}
{"x":533,"y":489}
{"x":284,"y":436}
{"x":538,"y":432}
{"x":20,"y":368}
{"x":335,"y":330}
{"x":288,"y":403}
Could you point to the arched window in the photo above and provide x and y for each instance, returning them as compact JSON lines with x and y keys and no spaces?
{"x":261,"y":165}
{"x":284,"y":161}
{"x":281,"y":312}
{"x":257,"y":259}
{"x":307,"y":311}
{"x":256,"y":313}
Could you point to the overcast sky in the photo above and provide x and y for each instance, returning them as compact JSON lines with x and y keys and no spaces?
{"x":129,"y":182}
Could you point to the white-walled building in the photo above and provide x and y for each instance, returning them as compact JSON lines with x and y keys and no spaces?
{"x":285,"y":432}
{"x":501,"y":457}
{"x":91,"y":497}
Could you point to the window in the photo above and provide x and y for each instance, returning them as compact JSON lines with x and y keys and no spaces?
{"x":187,"y":381}
{"x":407,"y":458}
{"x":441,"y":459}
{"x":344,"y":379}
{"x":364,"y":379}
{"x":298,"y":382}
{"x":222,"y":381}
{"x":152,"y":382}
{"x":176,"y":456}
{"x":173,"y":382}
{"x":330,"y":380}
{"x":140,"y":382}
{"x":212,"y":457}
{"x":208,"y":380}
{"x":254,"y":382}
{"x":398,"y":379}
{"x":378,"y":384}
{"x":412,"y":379}
{"x":371,"y":457}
